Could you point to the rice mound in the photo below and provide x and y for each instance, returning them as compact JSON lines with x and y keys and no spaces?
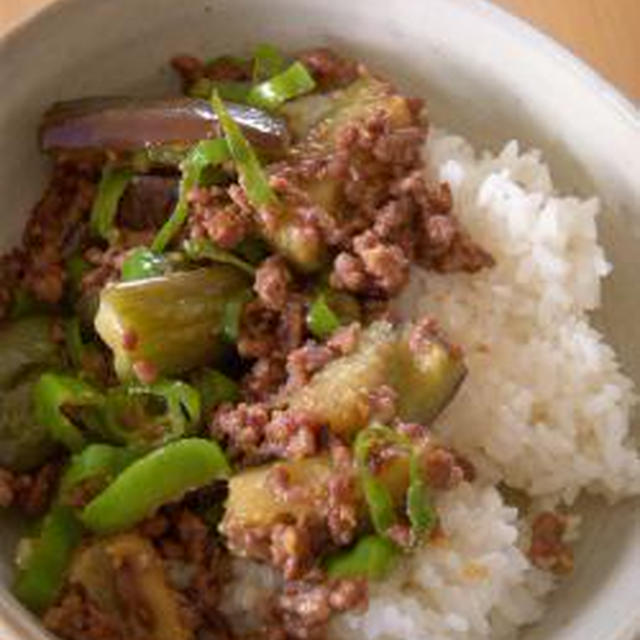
{"x":545,"y":407}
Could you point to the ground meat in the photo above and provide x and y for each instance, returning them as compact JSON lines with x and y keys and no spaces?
{"x":216,"y":215}
{"x":382,"y":404}
{"x":196,"y":566}
{"x":32,"y":492}
{"x":293,"y":435}
{"x":272,"y":283}
{"x":241,"y":428}
{"x":305,"y":609}
{"x":344,"y":340}
{"x":442,"y":468}
{"x":7,"y":488}
{"x":258,"y":336}
{"x":386,"y":265}
{"x":253,"y":432}
{"x":329,"y":69}
{"x":222,"y":69}
{"x":265,"y":378}
{"x":56,"y":229}
{"x":76,"y":617}
{"x":305,"y":361}
{"x":548,"y":549}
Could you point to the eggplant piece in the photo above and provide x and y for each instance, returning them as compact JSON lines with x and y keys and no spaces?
{"x":252,"y":501}
{"x":24,"y":444}
{"x":317,"y":123}
{"x":25,"y":346}
{"x":173,"y":323}
{"x":128,"y":560}
{"x":339,"y":393}
{"x":26,"y":349}
{"x":126,"y":124}
{"x":425,"y":378}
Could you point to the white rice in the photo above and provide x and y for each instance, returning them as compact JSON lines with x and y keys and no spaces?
{"x":544,"y":408}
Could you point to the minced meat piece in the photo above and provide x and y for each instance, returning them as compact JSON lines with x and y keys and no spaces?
{"x":548,"y":548}
{"x":272,"y":283}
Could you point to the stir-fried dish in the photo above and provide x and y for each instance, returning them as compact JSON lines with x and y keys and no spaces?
{"x":200,"y":361}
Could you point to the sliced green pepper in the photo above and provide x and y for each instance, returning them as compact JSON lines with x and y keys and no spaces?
{"x":420,"y":510}
{"x":321,"y":320}
{"x":205,"y":153}
{"x":51,"y":394}
{"x":143,"y":263}
{"x":372,"y":557}
{"x":228,"y":90}
{"x":151,"y":414}
{"x":96,"y":465}
{"x":42,"y":572}
{"x":267,"y":62}
{"x":204,"y":249}
{"x":253,"y":177}
{"x":291,"y":83}
{"x":105,"y":206}
{"x":162,"y":476}
{"x":233,"y":315}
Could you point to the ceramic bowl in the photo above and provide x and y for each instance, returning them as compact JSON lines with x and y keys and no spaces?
{"x":485,"y":75}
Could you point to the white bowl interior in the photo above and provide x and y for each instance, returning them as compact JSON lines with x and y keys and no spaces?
{"x":485,"y":75}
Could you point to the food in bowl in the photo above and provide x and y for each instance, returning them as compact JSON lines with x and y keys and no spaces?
{"x":281,"y":362}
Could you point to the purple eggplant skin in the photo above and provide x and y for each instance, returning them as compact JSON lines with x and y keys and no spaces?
{"x":125,"y":124}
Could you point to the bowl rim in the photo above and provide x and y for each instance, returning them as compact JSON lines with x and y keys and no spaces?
{"x":537,"y":36}
{"x":13,"y":621}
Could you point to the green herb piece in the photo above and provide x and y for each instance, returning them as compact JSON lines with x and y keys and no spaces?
{"x":372,"y":557}
{"x":161,"y":476}
{"x":291,"y":83}
{"x":420,"y":511}
{"x":105,"y":206}
{"x":253,"y":177}
{"x":321,"y":320}
{"x":205,"y":153}
{"x":233,"y":315}
{"x":42,"y":572}
{"x":204,"y":249}
{"x":377,"y":495}
{"x":267,"y":62}
{"x":142,"y":263}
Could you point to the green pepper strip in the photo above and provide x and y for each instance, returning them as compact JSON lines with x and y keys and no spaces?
{"x":50,"y":394}
{"x":182,"y":410}
{"x":142,"y":263}
{"x":377,"y":495}
{"x":41,"y":576}
{"x":163,"y":475}
{"x":372,"y":557}
{"x":267,"y":62}
{"x":321,"y":319}
{"x":228,"y":90}
{"x":98,"y":465}
{"x":204,"y":249}
{"x":205,"y":153}
{"x":232,"y":315}
{"x":254,"y":179}
{"x":420,"y":509}
{"x":289,"y":84}
{"x":105,"y":206}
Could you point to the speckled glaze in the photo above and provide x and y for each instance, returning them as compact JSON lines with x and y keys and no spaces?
{"x":485,"y":75}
